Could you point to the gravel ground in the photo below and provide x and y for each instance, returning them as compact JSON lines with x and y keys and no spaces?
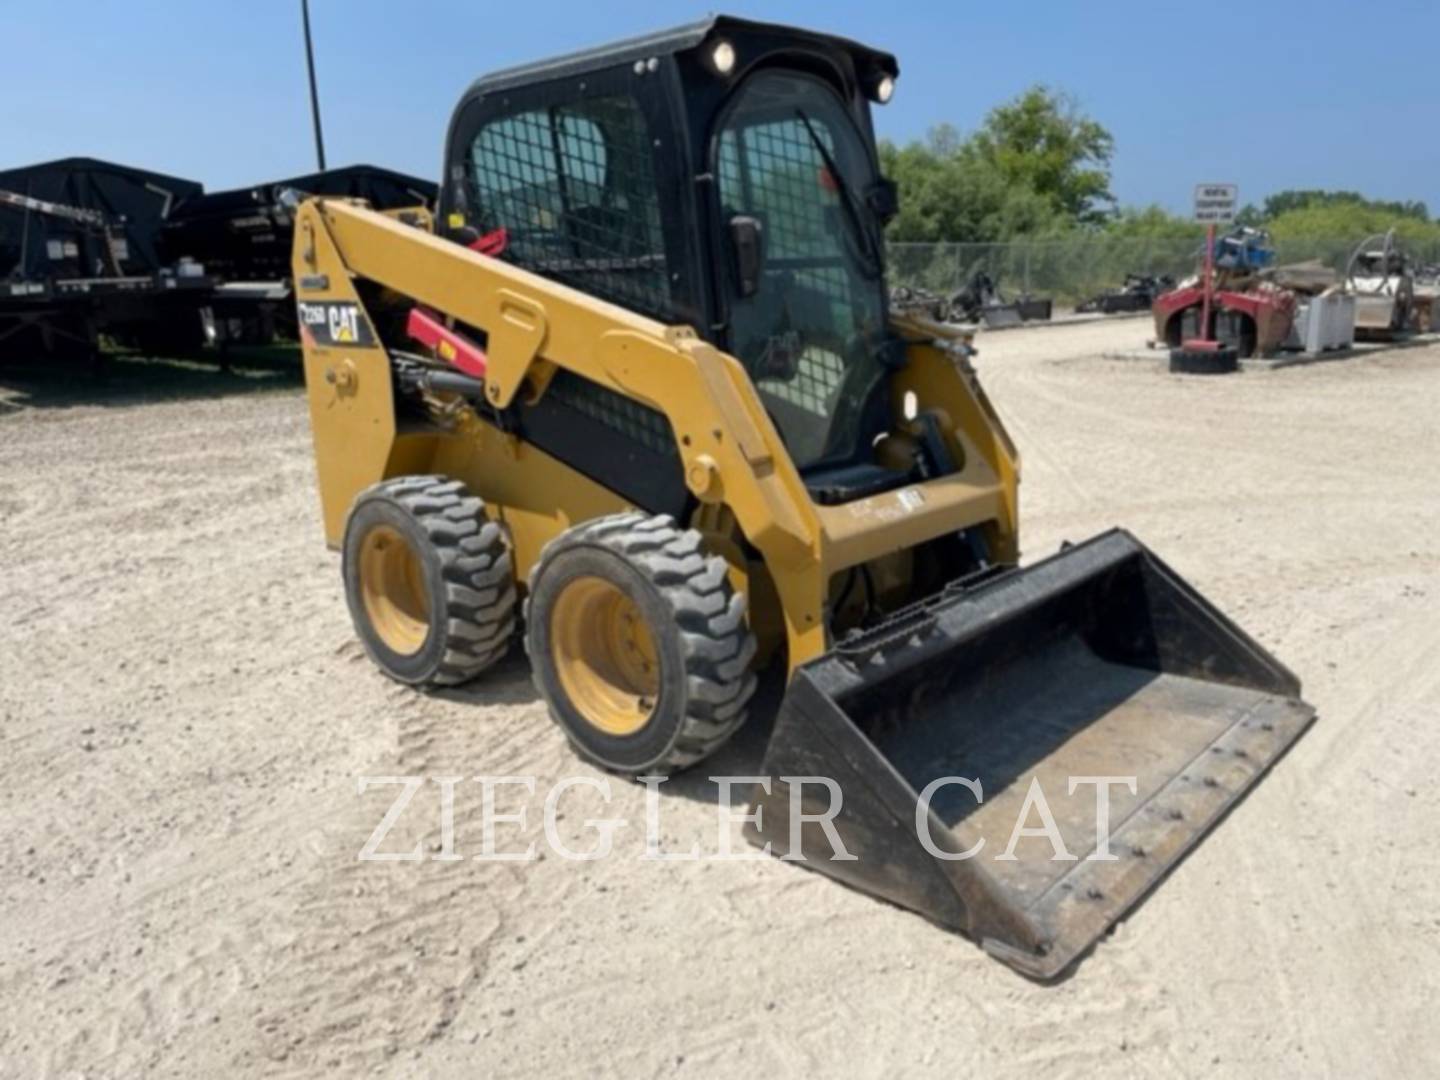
{"x":185,"y":714}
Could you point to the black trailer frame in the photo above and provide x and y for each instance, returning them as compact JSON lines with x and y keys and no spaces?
{"x":79,"y":256}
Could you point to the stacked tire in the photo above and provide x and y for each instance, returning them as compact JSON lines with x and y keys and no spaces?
{"x":1221,"y":361}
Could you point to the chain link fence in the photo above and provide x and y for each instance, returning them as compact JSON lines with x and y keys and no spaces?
{"x":1076,"y":268}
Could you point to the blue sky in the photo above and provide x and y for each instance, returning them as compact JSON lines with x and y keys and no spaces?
{"x":1277,"y":94}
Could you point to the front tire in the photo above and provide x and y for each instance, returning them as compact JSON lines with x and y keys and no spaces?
{"x":429,"y":580}
{"x":638,"y":643}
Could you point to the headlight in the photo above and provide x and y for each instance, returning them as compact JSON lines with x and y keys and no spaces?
{"x":722,"y":57}
{"x":885,"y":90}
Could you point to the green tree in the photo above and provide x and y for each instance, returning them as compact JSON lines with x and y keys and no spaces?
{"x":1043,"y":141}
{"x":1331,"y":230}
{"x":1328,"y":224}
{"x":1250,"y":215}
{"x":949,"y":193}
{"x":1153,"y":222}
{"x":1284,"y":202}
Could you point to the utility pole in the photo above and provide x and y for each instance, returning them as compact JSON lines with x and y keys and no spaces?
{"x":314,"y":94}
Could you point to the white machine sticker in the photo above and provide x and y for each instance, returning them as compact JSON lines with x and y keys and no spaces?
{"x":330,"y":322}
{"x":911,"y":499}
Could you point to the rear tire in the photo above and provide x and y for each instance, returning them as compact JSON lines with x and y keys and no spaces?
{"x":1222,"y":361}
{"x":638,"y":643}
{"x":429,"y":580}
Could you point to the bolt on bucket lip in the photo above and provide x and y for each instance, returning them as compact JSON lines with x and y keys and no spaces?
{"x":1077,"y":908}
{"x":1097,"y":661}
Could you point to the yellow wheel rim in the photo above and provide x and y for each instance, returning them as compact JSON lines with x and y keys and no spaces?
{"x":605,"y":656}
{"x":392,"y":587}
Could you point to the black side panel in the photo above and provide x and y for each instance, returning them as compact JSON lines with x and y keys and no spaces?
{"x":614,"y":441}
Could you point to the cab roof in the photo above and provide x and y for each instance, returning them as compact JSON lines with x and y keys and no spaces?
{"x":676,"y":40}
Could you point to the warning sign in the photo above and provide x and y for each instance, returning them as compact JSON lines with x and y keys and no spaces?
{"x":1215,"y":203}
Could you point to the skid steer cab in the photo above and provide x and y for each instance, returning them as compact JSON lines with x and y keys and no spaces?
{"x":637,"y":394}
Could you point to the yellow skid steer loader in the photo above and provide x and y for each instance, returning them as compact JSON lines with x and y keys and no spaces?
{"x":636,"y":386}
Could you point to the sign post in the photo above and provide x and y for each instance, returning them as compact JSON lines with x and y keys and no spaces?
{"x":1214,"y":204}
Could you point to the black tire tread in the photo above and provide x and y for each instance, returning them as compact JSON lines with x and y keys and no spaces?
{"x":476,"y":567}
{"x":716,"y":641}
{"x":1223,"y":361}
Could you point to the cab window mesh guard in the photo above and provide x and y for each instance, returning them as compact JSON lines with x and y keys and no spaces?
{"x":574,"y":186}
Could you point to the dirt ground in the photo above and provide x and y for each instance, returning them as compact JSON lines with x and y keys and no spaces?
{"x":185,"y":716}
